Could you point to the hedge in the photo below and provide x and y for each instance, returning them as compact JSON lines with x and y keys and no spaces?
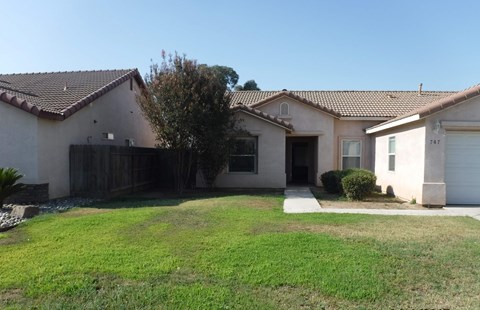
{"x":333,"y":182}
{"x":358,"y":184}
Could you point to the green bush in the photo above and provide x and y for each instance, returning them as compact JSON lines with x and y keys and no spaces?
{"x":332,"y":180}
{"x":329,"y":181}
{"x":8,"y":183}
{"x":358,"y":184}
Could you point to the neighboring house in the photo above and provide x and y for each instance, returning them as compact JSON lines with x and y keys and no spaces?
{"x":42,"y":114}
{"x":421,"y":145}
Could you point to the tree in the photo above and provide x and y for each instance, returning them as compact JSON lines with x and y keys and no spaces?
{"x":227,"y":74}
{"x":188,"y":107}
{"x":248,"y":85}
{"x":9,"y":183}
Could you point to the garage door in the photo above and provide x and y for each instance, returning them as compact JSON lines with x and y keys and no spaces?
{"x":462,"y":168}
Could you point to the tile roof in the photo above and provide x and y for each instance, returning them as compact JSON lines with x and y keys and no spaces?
{"x":298,"y":98}
{"x":438,"y":105}
{"x":44,"y":94}
{"x":349,"y":103}
{"x":263,"y":115}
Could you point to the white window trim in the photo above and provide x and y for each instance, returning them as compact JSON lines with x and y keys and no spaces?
{"x":341,"y":150}
{"x":108,"y":136}
{"x":255,"y":162}
{"x":288,"y":109}
{"x":394,"y":154}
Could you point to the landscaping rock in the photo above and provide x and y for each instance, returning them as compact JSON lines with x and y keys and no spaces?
{"x":13,"y":214}
{"x":25,"y":212}
{"x":7,"y":221}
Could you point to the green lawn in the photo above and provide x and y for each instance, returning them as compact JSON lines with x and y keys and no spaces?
{"x":237,"y":252}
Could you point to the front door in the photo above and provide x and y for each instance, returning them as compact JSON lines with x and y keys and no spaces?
{"x":300,"y":162}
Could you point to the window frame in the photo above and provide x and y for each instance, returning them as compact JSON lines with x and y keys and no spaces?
{"x":359,"y":155}
{"x":255,"y":155}
{"x":288,"y":109}
{"x":392,"y":154}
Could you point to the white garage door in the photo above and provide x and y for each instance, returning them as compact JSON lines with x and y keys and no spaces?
{"x":462,"y":168}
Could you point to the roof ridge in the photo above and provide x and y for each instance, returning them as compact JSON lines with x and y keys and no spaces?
{"x":352,"y":91}
{"x":109,"y":82}
{"x":437,"y":105}
{"x":264,"y":115}
{"x":97,"y":93}
{"x":378,"y":91}
{"x":72,"y":71}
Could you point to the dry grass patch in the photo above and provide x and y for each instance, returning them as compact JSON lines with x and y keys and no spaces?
{"x":77,"y":212}
{"x":392,"y":228}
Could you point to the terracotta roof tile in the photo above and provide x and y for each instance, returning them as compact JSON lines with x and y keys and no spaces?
{"x":349,"y":103}
{"x":44,"y":94}
{"x":264,"y":116}
{"x":438,"y":105}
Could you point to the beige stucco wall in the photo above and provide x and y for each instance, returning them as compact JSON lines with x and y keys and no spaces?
{"x":270,"y":161}
{"x":19,"y":142}
{"x":421,"y":171}
{"x":355,"y":129}
{"x":408,"y":178}
{"x":115,"y":112}
{"x":309,"y":122}
{"x":467,"y":118}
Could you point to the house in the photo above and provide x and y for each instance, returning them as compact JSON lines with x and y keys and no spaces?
{"x":432,"y":153}
{"x":42,"y":114}
{"x":422,"y":145}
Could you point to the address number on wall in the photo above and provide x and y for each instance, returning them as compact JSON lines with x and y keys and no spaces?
{"x":435,"y":141}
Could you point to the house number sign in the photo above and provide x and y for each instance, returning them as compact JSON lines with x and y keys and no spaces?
{"x":435,"y":141}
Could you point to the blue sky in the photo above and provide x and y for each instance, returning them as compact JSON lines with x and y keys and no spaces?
{"x":298,"y":45}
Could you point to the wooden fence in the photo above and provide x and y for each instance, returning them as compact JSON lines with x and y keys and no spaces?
{"x":106,"y":171}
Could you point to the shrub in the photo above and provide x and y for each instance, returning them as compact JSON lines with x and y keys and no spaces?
{"x":329,"y":181}
{"x":358,"y":184}
{"x":332,"y":180}
{"x":8,"y":183}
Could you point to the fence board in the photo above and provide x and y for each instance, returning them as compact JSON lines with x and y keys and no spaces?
{"x":105,"y":170}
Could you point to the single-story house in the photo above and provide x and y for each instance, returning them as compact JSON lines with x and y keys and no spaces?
{"x":42,"y":114}
{"x":422,"y":145}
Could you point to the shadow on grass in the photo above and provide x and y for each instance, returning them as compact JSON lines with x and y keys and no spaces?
{"x":168,"y":198}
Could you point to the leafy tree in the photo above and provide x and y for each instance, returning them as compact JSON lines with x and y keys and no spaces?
{"x":189,"y":109}
{"x":9,"y":183}
{"x":227,"y":74}
{"x":248,"y":85}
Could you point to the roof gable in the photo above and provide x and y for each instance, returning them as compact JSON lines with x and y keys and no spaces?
{"x":58,"y":95}
{"x":295,"y":97}
{"x":263,"y":116}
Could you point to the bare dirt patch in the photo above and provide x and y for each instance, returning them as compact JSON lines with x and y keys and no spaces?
{"x":85,"y":212}
{"x":11,"y":295}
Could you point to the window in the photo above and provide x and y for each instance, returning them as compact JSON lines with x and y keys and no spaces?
{"x":108,"y":136}
{"x":244,"y":155}
{"x":351,"y":154}
{"x":130,"y":142}
{"x":284,"y":109}
{"x":391,"y":154}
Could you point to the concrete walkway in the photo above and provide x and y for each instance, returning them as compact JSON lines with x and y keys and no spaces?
{"x":301,"y":200}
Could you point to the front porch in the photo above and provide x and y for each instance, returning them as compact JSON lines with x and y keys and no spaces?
{"x":301,"y":159}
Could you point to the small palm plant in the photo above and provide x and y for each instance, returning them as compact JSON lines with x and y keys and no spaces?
{"x":9,"y":183}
